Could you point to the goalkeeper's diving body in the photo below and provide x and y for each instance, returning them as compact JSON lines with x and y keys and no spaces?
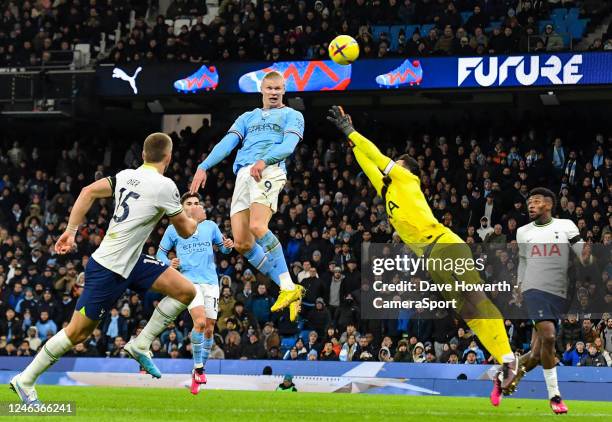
{"x":409,"y":213}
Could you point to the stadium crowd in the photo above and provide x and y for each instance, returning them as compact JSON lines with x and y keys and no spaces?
{"x":477,"y":185}
{"x":42,"y":32}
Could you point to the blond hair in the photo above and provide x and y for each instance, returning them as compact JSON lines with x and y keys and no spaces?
{"x":273,"y":75}
{"x":156,"y":147}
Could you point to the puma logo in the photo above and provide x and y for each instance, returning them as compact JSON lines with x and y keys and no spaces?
{"x":120,"y":74}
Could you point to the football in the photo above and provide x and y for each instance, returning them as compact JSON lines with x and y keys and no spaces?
{"x":344,"y":49}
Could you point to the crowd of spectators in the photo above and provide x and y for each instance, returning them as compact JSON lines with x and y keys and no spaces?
{"x":43,"y":32}
{"x":289,"y":30}
{"x":477,"y":185}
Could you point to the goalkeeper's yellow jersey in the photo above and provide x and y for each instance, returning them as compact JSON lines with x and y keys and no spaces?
{"x":406,"y":206}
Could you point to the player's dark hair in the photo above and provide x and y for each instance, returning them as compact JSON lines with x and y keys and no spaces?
{"x":410,"y":163}
{"x":188,"y":195}
{"x":546,"y":193}
{"x":156,"y":146}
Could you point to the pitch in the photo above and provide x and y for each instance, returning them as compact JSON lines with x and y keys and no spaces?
{"x":146,"y":404}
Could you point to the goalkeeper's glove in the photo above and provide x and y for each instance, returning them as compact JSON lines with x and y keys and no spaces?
{"x":341,"y":120}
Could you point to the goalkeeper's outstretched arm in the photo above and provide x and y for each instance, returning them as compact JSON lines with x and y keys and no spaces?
{"x":371,"y":151}
{"x":370,"y":169}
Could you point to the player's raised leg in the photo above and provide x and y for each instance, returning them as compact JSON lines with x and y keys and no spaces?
{"x":245,"y":244}
{"x":290,"y":293}
{"x":180,"y":294}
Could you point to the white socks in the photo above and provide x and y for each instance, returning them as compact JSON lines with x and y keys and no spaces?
{"x":508,"y":357}
{"x":47,"y":356}
{"x":167,"y":310}
{"x":285,"y":282}
{"x":550,"y":376}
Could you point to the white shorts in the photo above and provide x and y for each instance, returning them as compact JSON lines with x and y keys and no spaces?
{"x":247,"y":191}
{"x":210,"y":293}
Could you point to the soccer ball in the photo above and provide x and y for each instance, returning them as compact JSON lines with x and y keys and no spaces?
{"x":343,"y":49}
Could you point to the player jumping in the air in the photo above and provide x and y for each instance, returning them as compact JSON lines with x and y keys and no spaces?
{"x":544,"y":254}
{"x":142,"y":197}
{"x":195,"y":259}
{"x":412,"y":218}
{"x":267,"y":136}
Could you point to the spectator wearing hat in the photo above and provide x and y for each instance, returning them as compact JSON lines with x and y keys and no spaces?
{"x":484,"y":229}
{"x":470,"y":357}
{"x":551,"y":39}
{"x":347,"y":313}
{"x":28,"y":302}
{"x":313,"y":286}
{"x":336,"y":289}
{"x":574,"y":355}
{"x":418,"y":353}
{"x":313,"y":342}
{"x":270,"y":336}
{"x":480,"y":357}
{"x":318,"y":319}
{"x":287,"y":384}
{"x":33,"y":339}
{"x":312,"y":355}
{"x":352,"y":274}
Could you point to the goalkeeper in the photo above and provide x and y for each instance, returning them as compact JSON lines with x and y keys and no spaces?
{"x":409,"y":213}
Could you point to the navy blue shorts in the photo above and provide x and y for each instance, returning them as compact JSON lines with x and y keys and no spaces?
{"x":104,"y":287}
{"x":544,"y":306}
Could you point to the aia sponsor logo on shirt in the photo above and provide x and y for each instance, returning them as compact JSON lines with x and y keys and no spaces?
{"x":545,"y":249}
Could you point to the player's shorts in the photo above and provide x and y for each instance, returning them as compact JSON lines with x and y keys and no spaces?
{"x":104,"y":287}
{"x":247,"y":191}
{"x":544,"y":306}
{"x":211,"y":299}
{"x":447,"y":245}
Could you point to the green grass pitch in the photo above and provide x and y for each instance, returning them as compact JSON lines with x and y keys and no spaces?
{"x":99,"y":404}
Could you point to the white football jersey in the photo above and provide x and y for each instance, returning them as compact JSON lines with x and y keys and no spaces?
{"x":142,"y":197}
{"x":544,"y":255}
